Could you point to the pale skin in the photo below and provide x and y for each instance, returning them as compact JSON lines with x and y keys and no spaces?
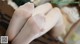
{"x":12,"y":4}
{"x":31,"y":24}
{"x":18,"y":20}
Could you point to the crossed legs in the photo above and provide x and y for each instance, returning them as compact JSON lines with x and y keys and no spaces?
{"x":27,"y":24}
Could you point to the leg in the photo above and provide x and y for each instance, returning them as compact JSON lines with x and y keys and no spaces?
{"x":30,"y":30}
{"x":42,"y":9}
{"x":20,"y":16}
{"x":59,"y":29}
{"x":33,"y":28}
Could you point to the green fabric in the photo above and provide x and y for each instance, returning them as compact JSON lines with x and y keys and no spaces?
{"x":20,"y":2}
{"x":62,"y":2}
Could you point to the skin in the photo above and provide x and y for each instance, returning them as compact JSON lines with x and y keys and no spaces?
{"x":33,"y":28}
{"x":20,"y":16}
{"x":30,"y":30}
{"x":12,"y":4}
{"x":32,"y":23}
{"x":70,"y":12}
{"x":60,"y":25}
{"x":42,"y":9}
{"x":39,"y":2}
